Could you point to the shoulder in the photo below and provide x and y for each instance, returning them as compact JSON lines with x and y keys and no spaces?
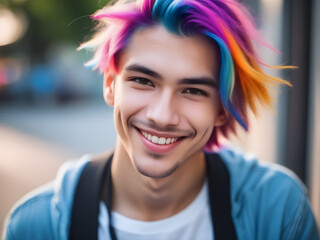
{"x":44,"y":213}
{"x":268,"y":198}
{"x":30,"y":212}
{"x":247,"y":174}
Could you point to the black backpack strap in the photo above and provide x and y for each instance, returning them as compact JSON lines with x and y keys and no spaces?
{"x":108,"y":201}
{"x":84,"y":218}
{"x":219,"y":196}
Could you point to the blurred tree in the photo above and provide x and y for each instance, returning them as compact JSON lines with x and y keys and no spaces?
{"x":54,"y":21}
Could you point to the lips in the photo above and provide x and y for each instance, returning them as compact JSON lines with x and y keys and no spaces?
{"x":159,"y":144}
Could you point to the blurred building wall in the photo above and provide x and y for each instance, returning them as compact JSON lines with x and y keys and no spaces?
{"x":264,"y":127}
{"x":314,"y":115}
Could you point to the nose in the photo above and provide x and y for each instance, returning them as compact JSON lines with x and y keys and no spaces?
{"x":163,"y":109}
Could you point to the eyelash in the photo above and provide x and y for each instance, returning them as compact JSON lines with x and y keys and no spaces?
{"x":141,"y":81}
{"x":195,"y":91}
{"x":147,"y":82}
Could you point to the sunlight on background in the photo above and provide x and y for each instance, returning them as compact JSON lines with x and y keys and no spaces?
{"x":12,"y":25}
{"x":271,"y":4}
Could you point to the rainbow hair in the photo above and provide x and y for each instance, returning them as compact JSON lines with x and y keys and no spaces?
{"x":242,"y":82}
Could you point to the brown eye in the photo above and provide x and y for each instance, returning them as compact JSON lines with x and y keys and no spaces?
{"x":142,"y":81}
{"x":195,"y":91}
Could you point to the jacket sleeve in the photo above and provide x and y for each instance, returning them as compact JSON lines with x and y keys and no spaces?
{"x":45,"y":212}
{"x":31,"y":218}
{"x":302,"y":224}
{"x":268,"y":200}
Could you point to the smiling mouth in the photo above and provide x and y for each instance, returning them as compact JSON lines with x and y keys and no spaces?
{"x":159,"y":140}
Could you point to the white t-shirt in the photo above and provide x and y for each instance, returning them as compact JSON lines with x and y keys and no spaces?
{"x":192,"y":223}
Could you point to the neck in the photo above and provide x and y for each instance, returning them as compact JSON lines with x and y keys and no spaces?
{"x":145,"y":198}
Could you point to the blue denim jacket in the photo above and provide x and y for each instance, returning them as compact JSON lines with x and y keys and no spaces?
{"x":268,"y":202}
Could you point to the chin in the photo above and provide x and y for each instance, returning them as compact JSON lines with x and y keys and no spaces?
{"x":157,"y":173}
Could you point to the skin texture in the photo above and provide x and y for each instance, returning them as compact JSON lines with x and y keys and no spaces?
{"x":166,"y":87}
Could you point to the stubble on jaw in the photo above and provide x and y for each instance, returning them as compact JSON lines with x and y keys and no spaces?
{"x":160,"y":175}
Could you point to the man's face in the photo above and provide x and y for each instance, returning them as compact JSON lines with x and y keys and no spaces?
{"x":165,"y":99}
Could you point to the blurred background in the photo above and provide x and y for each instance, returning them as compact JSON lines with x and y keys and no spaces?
{"x":52,"y":109}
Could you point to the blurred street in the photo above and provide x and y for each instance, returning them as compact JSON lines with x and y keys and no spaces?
{"x":36,"y":139}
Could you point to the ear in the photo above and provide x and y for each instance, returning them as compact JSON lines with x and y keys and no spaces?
{"x":108,"y":88}
{"x":221,"y":118}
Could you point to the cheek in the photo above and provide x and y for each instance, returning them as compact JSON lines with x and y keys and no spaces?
{"x":202,"y":116}
{"x":128,"y":103}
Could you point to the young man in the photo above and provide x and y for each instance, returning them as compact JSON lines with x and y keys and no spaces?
{"x":180,"y":74}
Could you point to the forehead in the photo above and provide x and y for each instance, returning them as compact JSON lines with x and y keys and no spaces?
{"x":170,"y":54}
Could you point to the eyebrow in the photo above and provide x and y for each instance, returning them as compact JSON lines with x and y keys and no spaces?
{"x":200,"y":81}
{"x":208,"y":81}
{"x":144,"y":70}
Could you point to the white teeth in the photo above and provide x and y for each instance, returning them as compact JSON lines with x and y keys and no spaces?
{"x":158,"y":140}
{"x":162,"y":141}
{"x":154,"y":139}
